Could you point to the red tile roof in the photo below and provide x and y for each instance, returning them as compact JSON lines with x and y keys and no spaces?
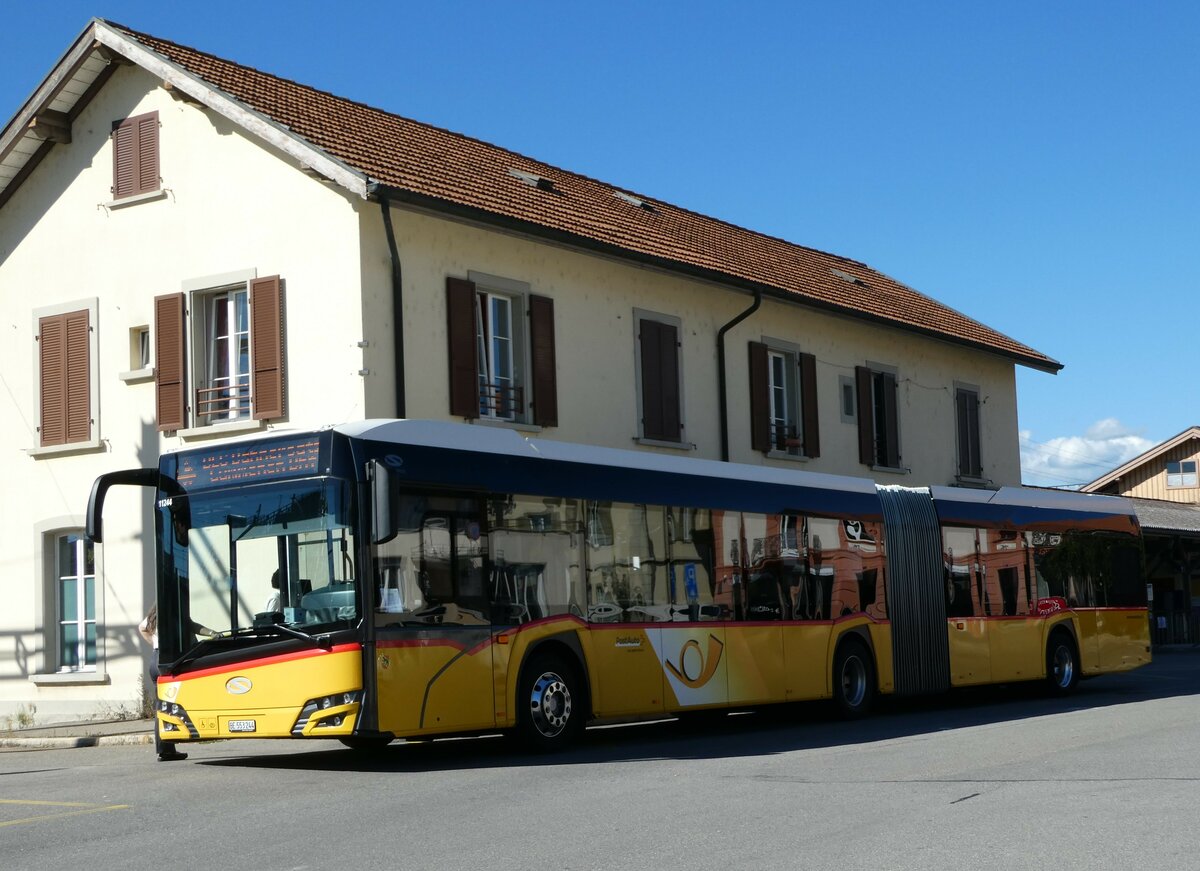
{"x":455,"y":172}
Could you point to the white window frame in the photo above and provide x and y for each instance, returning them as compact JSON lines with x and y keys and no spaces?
{"x":514,"y":295}
{"x":46,"y":669}
{"x":788,"y":355}
{"x":1183,"y":479}
{"x":199,"y":292}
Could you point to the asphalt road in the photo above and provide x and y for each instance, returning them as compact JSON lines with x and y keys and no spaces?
{"x":1107,"y":779}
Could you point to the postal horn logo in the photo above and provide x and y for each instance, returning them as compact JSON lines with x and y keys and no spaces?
{"x":696,"y":668}
{"x":238,"y":685}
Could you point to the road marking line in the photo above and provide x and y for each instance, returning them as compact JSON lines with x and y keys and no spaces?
{"x":81,"y":808}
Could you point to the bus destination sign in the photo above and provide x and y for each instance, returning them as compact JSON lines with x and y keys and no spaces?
{"x":237,"y":464}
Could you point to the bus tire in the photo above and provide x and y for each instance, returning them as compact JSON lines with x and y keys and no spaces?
{"x":1062,"y":663}
{"x":853,"y":679}
{"x":551,"y":705}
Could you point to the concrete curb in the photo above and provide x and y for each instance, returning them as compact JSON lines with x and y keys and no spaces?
{"x":48,"y":743}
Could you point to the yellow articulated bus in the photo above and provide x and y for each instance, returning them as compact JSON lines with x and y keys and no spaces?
{"x":392,"y":579}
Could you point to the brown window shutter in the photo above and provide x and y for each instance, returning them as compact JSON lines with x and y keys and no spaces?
{"x":808,"y":405}
{"x":135,"y":155}
{"x":760,"y":399}
{"x":267,"y":393}
{"x":79,"y":381}
{"x":464,"y":347}
{"x":52,"y":363}
{"x":866,"y":416}
{"x":170,"y":366}
{"x":660,"y":380}
{"x":541,"y":351}
{"x":891,"y":423}
{"x":65,"y":383}
{"x":147,"y":153}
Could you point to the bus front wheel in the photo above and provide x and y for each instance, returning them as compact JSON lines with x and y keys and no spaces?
{"x":1062,"y":664}
{"x":550,"y":703}
{"x":853,"y":679}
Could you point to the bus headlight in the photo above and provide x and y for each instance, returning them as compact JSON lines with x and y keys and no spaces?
{"x":327,"y":712}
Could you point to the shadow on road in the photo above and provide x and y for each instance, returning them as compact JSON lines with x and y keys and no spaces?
{"x":775,"y":729}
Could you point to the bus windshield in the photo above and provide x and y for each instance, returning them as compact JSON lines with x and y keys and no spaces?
{"x":259,"y":562}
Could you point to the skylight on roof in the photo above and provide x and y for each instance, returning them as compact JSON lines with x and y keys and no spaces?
{"x":846,"y":276}
{"x":633,"y":201}
{"x":533,"y":180}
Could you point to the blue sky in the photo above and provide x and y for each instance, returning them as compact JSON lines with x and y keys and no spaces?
{"x":1031,"y":164}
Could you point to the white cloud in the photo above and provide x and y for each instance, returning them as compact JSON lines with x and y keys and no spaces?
{"x":1075,"y":460}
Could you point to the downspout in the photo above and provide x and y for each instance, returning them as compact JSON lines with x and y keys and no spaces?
{"x":721,"y":370}
{"x":397,"y":304}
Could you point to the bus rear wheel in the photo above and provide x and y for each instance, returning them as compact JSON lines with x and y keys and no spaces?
{"x":550,"y":700}
{"x":1062,"y":664}
{"x":853,"y":679}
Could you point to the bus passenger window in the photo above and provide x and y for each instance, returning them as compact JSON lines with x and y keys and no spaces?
{"x":958,"y":563}
{"x":628,"y":577}
{"x":1002,"y":553}
{"x":535,"y":558}
{"x":690,"y":573}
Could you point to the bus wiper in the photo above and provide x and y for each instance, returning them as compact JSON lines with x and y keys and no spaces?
{"x":321,"y":641}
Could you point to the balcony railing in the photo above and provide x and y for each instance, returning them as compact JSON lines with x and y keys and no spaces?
{"x":224,"y":402}
{"x":785,"y":438}
{"x":503,"y":401}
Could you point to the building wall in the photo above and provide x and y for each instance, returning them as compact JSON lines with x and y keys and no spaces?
{"x":230,"y":205}
{"x":1149,"y":481}
{"x":595,"y":298}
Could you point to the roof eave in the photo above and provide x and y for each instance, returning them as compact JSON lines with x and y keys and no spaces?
{"x":377,"y":190}
{"x":239,"y":113}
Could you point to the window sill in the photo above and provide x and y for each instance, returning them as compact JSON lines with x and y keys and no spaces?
{"x":971,"y":481}
{"x":784,"y":455}
{"x":519,"y":426}
{"x":891,"y":470}
{"x":134,"y":200}
{"x":660,"y":443}
{"x":70,"y":678}
{"x":93,"y":446}
{"x":216,"y":430}
{"x":137,"y":376}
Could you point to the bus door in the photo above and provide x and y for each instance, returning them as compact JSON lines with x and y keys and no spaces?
{"x":433,"y":622}
{"x":966,"y":607}
{"x":1015,"y":636}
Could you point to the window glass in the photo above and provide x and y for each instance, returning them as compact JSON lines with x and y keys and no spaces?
{"x":223,"y":348}
{"x":628,"y":576}
{"x":501,"y":396}
{"x":1066,"y":568}
{"x":1002,"y":557}
{"x":963,"y":595}
{"x":76,"y":602}
{"x":845,"y":569}
{"x":775,"y":572}
{"x":257,"y":556}
{"x":692,"y":571}
{"x":1181,"y":473}
{"x":536,"y":547}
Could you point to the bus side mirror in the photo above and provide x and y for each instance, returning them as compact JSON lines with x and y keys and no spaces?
{"x":94,"y":528}
{"x":381,"y":502}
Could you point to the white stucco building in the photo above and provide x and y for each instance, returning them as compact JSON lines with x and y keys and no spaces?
{"x":192,"y":250}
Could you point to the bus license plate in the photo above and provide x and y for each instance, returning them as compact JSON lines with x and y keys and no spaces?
{"x":241,"y":725}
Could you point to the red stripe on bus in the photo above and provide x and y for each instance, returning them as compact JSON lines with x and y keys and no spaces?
{"x":256,"y":663}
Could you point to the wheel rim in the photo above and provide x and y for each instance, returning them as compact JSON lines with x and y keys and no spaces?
{"x":854,"y":681}
{"x":1064,"y":666}
{"x":550,"y":705}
